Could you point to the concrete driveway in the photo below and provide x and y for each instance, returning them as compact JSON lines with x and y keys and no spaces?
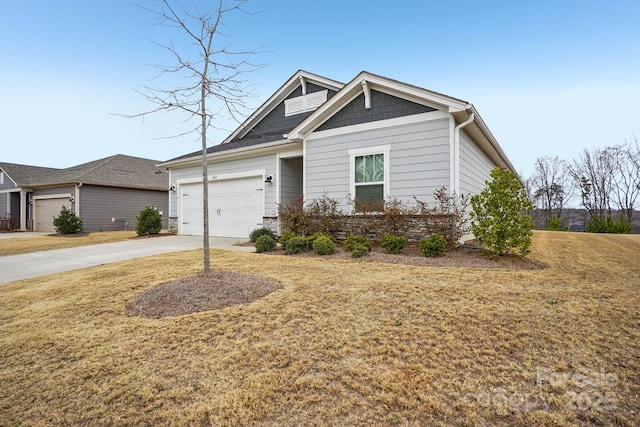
{"x":26,"y":266}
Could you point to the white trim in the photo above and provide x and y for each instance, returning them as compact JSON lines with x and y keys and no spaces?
{"x":53,"y":196}
{"x":290,"y":154}
{"x":304,"y":169}
{"x":278,"y":182}
{"x":380,"y":124}
{"x":452,"y":156}
{"x":1,"y":177}
{"x":304,"y":103}
{"x":385,"y":150}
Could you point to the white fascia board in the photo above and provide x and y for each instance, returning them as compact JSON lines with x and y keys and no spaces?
{"x":279,"y":96}
{"x":492,"y":140}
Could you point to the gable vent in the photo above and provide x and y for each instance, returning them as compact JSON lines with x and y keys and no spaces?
{"x":304,"y":103}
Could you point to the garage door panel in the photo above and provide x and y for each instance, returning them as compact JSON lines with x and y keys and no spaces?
{"x":235,"y":207}
{"x":46,"y":210}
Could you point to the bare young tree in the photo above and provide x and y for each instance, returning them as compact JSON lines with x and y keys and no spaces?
{"x":213,"y":74}
{"x":551,"y":186}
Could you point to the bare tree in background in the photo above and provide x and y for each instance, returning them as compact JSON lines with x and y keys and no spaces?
{"x":592,"y":171}
{"x":551,"y":186}
{"x":626,"y":176}
{"x":211,"y":72}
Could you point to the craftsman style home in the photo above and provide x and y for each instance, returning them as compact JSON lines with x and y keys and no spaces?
{"x":373,"y":138}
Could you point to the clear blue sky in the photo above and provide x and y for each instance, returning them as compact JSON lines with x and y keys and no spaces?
{"x":548,"y":77}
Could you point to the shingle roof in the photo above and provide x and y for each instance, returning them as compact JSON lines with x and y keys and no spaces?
{"x":115,"y":171}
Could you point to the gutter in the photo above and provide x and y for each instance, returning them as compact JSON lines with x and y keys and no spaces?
{"x":456,"y":149}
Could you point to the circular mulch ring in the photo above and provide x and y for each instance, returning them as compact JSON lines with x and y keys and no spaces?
{"x":214,"y":291}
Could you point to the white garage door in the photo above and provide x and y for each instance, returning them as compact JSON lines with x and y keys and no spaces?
{"x":235,"y":207}
{"x":46,"y":210}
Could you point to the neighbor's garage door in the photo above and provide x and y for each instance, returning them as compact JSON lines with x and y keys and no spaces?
{"x":235,"y":207}
{"x":46,"y":210}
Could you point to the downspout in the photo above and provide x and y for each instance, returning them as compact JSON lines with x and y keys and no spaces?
{"x":456,"y":149}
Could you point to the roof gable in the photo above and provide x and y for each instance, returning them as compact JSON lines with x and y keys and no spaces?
{"x":291,"y":88}
{"x":383,"y":106}
{"x":366,"y":84}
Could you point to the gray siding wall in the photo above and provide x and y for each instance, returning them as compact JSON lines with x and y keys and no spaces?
{"x":70,"y":189}
{"x":8,"y":184}
{"x":4,"y":208}
{"x":419,"y":161}
{"x":267,"y":162}
{"x":475,"y":166}
{"x":99,"y":204}
{"x":290,"y":179}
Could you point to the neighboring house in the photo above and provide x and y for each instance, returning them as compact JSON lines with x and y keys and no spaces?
{"x":107,"y":193}
{"x":372,"y":138}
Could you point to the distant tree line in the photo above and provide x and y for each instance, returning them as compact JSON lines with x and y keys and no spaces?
{"x":605,"y":181}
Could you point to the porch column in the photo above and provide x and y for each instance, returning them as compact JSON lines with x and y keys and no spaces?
{"x":23,"y":210}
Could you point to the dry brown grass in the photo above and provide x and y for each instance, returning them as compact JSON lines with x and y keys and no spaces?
{"x":23,"y":245}
{"x":342,"y":343}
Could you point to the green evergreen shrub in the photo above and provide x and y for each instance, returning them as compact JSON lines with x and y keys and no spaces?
{"x":315,"y":235}
{"x":599,"y":225}
{"x":393,"y":244}
{"x":67,"y":222}
{"x":262,"y":231}
{"x":499,"y":218}
{"x":323,"y":245}
{"x":353,"y":240}
{"x":286,"y":236}
{"x":265,"y":243}
{"x":358,"y":250}
{"x":433,"y":246}
{"x":554,"y":224}
{"x":148,"y":221}
{"x":296,"y":245}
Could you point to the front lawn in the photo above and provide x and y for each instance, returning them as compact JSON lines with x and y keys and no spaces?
{"x":22,"y":245}
{"x":342,"y":343}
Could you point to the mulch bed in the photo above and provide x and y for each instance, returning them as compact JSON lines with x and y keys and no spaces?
{"x":214,"y":291}
{"x":467,"y":256}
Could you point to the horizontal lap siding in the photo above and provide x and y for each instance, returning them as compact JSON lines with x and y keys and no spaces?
{"x":475,"y":167}
{"x":419,"y":160}
{"x":98,"y":205}
{"x":290,"y":179}
{"x":70,"y":190}
{"x":266,"y":162}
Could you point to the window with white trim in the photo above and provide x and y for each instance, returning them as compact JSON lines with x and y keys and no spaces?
{"x":369,"y":177}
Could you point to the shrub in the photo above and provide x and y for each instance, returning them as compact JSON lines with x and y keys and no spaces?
{"x":67,"y":222}
{"x":434,"y":246}
{"x":354,"y":240}
{"x":148,"y":221}
{"x":358,"y":250}
{"x":448,"y":217}
{"x":499,"y":216}
{"x":323,"y":245}
{"x":292,"y":215}
{"x":314,"y":236}
{"x":323,"y":215}
{"x":554,"y":224}
{"x":296,"y":245}
{"x":393,"y":244}
{"x":598,"y":225}
{"x":265,"y":243}
{"x":262,"y":231}
{"x":286,"y":236}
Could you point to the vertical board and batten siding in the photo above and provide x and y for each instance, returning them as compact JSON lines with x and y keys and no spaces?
{"x":266,"y":162}
{"x":475,"y":166}
{"x":419,"y":160}
{"x":290,"y":179}
{"x":98,"y":205}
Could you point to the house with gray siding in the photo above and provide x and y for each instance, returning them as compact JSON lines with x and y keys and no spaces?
{"x":106,"y":193}
{"x":373,"y":139}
